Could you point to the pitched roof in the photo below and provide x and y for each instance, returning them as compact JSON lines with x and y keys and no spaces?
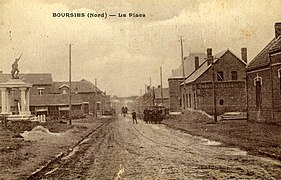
{"x":204,"y":66}
{"x":262,"y":58}
{"x":189,"y":65}
{"x":276,"y":45}
{"x":157,"y":92}
{"x":31,"y":78}
{"x":54,"y":99}
{"x":196,"y":74}
{"x":82,"y":86}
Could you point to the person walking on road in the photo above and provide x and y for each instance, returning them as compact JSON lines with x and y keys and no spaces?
{"x":134,"y":116}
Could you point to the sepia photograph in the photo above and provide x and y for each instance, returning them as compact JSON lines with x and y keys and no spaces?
{"x":140,"y":89}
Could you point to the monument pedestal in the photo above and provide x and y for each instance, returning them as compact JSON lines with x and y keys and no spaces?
{"x":6,"y":88}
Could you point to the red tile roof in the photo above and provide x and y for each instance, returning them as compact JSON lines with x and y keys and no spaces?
{"x":82,"y":86}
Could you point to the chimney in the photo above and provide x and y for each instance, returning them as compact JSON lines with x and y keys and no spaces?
{"x":209,"y":53}
{"x":277,"y":29}
{"x":210,"y":58}
{"x":159,"y":86}
{"x":244,"y":54}
{"x":196,"y":59}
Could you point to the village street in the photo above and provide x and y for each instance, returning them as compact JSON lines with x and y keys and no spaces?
{"x":123,"y":150}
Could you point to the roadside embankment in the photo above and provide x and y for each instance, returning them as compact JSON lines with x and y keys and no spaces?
{"x":256,"y":138}
{"x":26,"y":146}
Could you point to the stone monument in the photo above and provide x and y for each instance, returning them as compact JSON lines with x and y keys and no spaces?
{"x":15,"y":68}
{"x":15,"y":84}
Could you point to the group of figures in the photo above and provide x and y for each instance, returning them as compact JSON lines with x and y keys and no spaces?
{"x":153,"y":115}
{"x":124,"y":111}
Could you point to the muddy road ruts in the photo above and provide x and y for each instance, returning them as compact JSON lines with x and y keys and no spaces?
{"x":123,"y":150}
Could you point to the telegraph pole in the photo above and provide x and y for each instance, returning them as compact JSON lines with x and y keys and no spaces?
{"x":69,"y":84}
{"x":215,"y":95}
{"x":96,"y":98}
{"x":145,"y":88}
{"x":161,"y":85}
{"x":183,"y":73}
{"x":153,"y":97}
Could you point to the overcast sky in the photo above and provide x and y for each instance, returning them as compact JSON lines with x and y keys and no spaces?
{"x":123,"y":53}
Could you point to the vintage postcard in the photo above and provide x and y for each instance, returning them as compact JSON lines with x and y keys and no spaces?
{"x":140,"y":89}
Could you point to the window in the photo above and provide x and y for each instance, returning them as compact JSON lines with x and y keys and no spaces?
{"x":189,"y":95}
{"x":258,"y":84}
{"x":76,"y":90}
{"x":40,"y":91}
{"x":194,"y":100}
{"x":186,"y":100}
{"x":221,"y":102}
{"x":98,"y":106}
{"x":279,"y":76}
{"x":183,"y":100}
{"x":220,"y":76}
{"x":64,"y":91}
{"x":234,"y":75}
{"x":256,"y":79}
{"x":258,"y":95}
{"x":180,"y":102}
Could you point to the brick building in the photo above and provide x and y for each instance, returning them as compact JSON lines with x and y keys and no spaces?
{"x":88,"y":92}
{"x":191,"y":62}
{"x":264,"y":82}
{"x":50,"y":98}
{"x":57,"y":105}
{"x":228,"y":73}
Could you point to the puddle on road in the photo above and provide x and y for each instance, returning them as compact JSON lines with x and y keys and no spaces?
{"x":235,"y":152}
{"x":207,"y":142}
{"x":227,"y":150}
{"x":212,"y":143}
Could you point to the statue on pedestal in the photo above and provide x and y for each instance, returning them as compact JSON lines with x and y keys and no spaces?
{"x":15,"y":68}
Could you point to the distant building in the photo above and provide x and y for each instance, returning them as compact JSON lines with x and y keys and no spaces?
{"x":229,"y":77}
{"x":191,"y":63}
{"x":264,"y":82}
{"x":131,"y":102}
{"x":108,"y":103}
{"x":153,"y":95}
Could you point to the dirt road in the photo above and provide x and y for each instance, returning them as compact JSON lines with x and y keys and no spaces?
{"x":123,"y":150}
